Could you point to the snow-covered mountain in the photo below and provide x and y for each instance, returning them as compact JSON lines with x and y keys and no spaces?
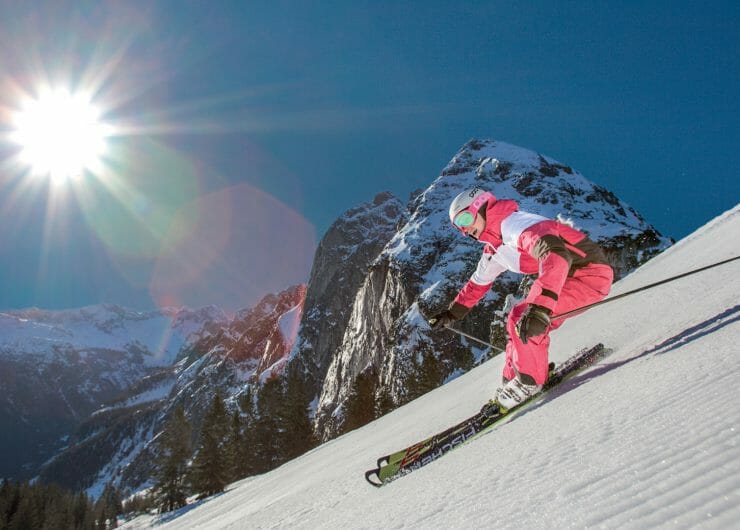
{"x":57,"y":367}
{"x":156,"y":337}
{"x":95,"y":385}
{"x":235,"y":355}
{"x":103,"y":380}
{"x":423,"y":264}
{"x":645,"y":438}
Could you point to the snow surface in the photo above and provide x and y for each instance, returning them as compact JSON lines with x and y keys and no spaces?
{"x":646,"y":438}
{"x":156,"y":393}
{"x":289,"y":323}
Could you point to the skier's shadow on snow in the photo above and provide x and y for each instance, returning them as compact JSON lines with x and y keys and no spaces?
{"x":723,"y":319}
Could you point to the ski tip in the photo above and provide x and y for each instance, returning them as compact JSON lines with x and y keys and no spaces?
{"x":373,"y":473}
{"x":383,"y":460}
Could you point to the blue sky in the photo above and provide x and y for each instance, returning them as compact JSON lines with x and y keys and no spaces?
{"x":250,"y":126}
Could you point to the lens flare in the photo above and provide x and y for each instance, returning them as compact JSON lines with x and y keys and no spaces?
{"x":245,"y":244}
{"x":144,"y":186}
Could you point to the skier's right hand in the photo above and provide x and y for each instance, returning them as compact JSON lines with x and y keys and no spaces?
{"x":456,"y":311}
{"x":442,"y":320}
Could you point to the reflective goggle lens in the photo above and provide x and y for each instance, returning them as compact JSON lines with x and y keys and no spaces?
{"x":464,"y":219}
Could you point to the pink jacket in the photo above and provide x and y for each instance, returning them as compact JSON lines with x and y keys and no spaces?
{"x":529,"y":244}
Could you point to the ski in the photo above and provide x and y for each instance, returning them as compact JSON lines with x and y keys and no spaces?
{"x":416,"y":449}
{"x":408,"y":454}
{"x":400,"y":463}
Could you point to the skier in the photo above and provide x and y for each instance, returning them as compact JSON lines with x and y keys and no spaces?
{"x":572,"y":272}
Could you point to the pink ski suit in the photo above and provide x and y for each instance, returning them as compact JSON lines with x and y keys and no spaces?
{"x":572,"y":272}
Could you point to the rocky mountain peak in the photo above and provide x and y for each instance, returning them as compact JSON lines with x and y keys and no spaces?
{"x":266,"y":333}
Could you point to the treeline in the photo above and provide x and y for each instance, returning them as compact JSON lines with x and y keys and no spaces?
{"x":367,"y":400}
{"x":25,"y":506}
{"x":267,"y":427}
{"x":265,"y":430}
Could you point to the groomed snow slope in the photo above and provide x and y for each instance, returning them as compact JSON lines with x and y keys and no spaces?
{"x":646,"y":438}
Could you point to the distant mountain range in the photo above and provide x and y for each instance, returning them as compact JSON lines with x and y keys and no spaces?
{"x":85,"y":392}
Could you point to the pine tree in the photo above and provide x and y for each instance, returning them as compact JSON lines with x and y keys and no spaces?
{"x":83,"y":512}
{"x":108,"y":507}
{"x":298,"y":436}
{"x":29,"y":513}
{"x":268,"y":426}
{"x":432,"y":373}
{"x":58,"y":509}
{"x":138,"y":504}
{"x":360,"y":407}
{"x":44,"y":507}
{"x":234,"y":448}
{"x":250,"y":443}
{"x":383,"y":402}
{"x":9,"y":499}
{"x":210,"y":469}
{"x":174,"y":450}
{"x":429,"y":374}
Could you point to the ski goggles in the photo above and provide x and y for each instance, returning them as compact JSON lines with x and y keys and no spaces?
{"x":465,"y":218}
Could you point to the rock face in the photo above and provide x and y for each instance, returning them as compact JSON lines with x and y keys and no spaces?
{"x":340,"y":266}
{"x":424,"y":264}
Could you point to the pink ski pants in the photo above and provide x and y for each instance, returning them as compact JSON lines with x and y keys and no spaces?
{"x":587,"y":285}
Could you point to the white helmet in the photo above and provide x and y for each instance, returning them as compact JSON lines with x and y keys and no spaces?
{"x":477,"y":197}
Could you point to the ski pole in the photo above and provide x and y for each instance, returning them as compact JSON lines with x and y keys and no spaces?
{"x":568,"y":313}
{"x":498,"y":348}
{"x":643,"y":288}
{"x":476,"y":339}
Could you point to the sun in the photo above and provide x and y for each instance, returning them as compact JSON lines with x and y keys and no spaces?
{"x":60,"y":135}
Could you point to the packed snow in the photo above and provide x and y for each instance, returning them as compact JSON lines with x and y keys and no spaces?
{"x":648,"y":437}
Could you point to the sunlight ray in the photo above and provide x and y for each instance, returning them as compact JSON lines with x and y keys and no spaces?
{"x":53,"y":228}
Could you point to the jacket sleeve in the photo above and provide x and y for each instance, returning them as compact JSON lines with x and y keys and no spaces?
{"x":542,"y":241}
{"x":480,"y":282}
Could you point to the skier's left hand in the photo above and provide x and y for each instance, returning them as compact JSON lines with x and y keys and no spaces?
{"x":533,"y":322}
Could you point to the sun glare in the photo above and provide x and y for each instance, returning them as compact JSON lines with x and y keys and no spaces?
{"x":60,"y":135}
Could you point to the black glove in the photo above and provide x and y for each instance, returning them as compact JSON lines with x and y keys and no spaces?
{"x":533,"y":322}
{"x":442,"y":320}
{"x":448,"y":316}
